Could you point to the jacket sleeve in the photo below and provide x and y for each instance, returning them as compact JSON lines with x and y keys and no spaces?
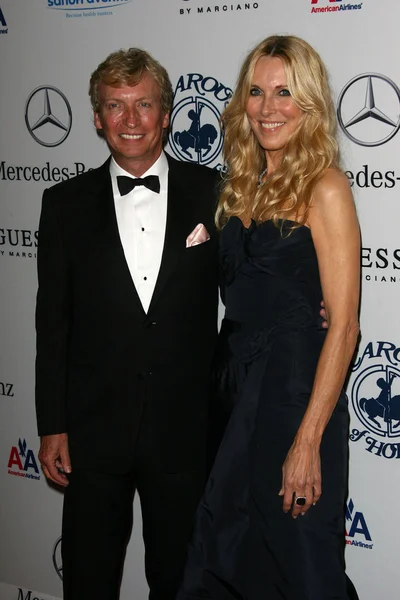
{"x":52,"y":321}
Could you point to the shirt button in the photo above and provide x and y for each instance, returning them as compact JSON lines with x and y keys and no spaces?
{"x":142,"y":228}
{"x":145,"y":278}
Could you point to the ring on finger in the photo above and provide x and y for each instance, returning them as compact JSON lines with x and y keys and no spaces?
{"x":300,"y":500}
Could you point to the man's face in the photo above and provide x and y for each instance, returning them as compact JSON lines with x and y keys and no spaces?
{"x":132,"y":121}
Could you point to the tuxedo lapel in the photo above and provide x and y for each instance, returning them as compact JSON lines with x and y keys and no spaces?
{"x":106,"y":226}
{"x":176,"y":230}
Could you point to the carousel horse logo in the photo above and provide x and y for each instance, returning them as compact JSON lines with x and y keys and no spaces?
{"x":197,"y":143}
{"x":196,"y":134}
{"x":375,"y":397}
{"x":380,"y":412}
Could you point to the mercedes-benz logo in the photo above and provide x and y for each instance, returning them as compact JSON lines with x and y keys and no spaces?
{"x":48,"y":116}
{"x":57,"y":560}
{"x":369,"y":125}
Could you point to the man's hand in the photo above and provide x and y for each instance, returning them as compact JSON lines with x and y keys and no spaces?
{"x":54,"y":458}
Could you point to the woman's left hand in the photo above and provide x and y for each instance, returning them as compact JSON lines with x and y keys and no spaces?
{"x":301,"y":477}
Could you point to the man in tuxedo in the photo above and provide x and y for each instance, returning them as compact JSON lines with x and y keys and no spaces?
{"x":126,"y":326}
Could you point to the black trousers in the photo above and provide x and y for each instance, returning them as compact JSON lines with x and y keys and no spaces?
{"x":97,"y":521}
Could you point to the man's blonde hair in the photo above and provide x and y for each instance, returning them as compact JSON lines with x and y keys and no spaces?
{"x":127,"y":67}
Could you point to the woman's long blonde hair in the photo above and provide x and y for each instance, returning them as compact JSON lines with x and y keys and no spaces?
{"x":310,"y":150}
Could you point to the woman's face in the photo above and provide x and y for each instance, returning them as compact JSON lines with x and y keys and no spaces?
{"x":272,"y":113}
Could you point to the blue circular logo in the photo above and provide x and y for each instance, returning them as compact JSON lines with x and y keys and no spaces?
{"x":375,"y":398}
{"x":195,"y":130}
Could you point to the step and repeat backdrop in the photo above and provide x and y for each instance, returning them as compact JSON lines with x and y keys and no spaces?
{"x":48,"y":49}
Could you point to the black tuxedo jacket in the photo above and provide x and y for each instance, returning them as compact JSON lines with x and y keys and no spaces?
{"x":100,"y":358}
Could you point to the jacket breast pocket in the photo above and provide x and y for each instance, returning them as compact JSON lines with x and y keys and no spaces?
{"x":197,"y":256}
{"x":198,"y":247}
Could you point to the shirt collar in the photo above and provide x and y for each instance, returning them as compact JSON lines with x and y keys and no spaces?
{"x":160,"y":168}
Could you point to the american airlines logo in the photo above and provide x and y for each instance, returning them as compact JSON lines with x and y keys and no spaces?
{"x":333,"y":6}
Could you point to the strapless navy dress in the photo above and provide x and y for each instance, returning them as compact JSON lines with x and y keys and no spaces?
{"x":244,"y":546}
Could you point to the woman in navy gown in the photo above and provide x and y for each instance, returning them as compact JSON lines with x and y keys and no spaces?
{"x":271,"y":522}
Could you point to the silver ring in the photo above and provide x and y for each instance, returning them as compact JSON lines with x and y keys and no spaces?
{"x":300,"y":500}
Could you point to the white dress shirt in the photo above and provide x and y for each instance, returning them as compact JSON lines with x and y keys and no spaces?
{"x":141,"y":218}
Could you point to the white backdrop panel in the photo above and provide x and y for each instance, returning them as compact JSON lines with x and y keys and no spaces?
{"x":201,"y":43}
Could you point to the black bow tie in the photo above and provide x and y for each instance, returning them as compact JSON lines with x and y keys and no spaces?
{"x":126,"y":184}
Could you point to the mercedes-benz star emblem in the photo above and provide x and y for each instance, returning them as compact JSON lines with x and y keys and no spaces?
{"x":57,"y":561}
{"x":48,"y":116}
{"x":378,"y":120}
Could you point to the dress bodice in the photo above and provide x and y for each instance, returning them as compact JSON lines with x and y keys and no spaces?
{"x":270,"y":274}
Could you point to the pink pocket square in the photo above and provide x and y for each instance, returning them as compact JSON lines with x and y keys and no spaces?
{"x":198,"y":236}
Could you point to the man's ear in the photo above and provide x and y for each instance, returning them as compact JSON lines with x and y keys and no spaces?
{"x":165,"y":122}
{"x":97,"y":121}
